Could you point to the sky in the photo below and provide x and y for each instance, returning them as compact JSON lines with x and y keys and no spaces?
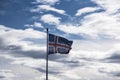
{"x":93,"y":25}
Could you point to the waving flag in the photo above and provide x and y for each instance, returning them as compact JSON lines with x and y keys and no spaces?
{"x":59,"y":44}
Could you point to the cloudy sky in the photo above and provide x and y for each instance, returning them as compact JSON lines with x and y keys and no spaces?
{"x":93,"y":25}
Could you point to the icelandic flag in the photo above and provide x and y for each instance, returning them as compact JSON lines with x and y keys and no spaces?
{"x":59,"y":44}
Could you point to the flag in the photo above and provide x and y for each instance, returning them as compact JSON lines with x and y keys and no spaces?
{"x":59,"y":44}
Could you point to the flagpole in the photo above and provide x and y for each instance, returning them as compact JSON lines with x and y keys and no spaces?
{"x":47,"y":56}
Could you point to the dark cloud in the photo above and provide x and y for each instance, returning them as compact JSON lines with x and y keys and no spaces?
{"x":114,"y":58}
{"x":18,"y":51}
{"x":2,"y":76}
{"x":110,"y":73}
{"x":30,"y":53}
{"x":50,"y":71}
{"x":72,"y":63}
{"x":117,"y":74}
{"x":57,"y":56}
{"x":2,"y":44}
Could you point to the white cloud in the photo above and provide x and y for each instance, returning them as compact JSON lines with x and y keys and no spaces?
{"x":10,"y":71}
{"x":30,"y":68}
{"x":96,"y":25}
{"x":21,"y":37}
{"x":28,"y":25}
{"x":37,"y":24}
{"x":50,"y":2}
{"x":81,"y":49}
{"x":68,"y":28}
{"x":86,"y":10}
{"x":7,"y":74}
{"x":28,"y":33}
{"x":50,"y":19}
{"x":94,"y":49}
{"x":101,"y":25}
{"x":3,"y":28}
{"x":47,"y":8}
{"x":111,"y":6}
